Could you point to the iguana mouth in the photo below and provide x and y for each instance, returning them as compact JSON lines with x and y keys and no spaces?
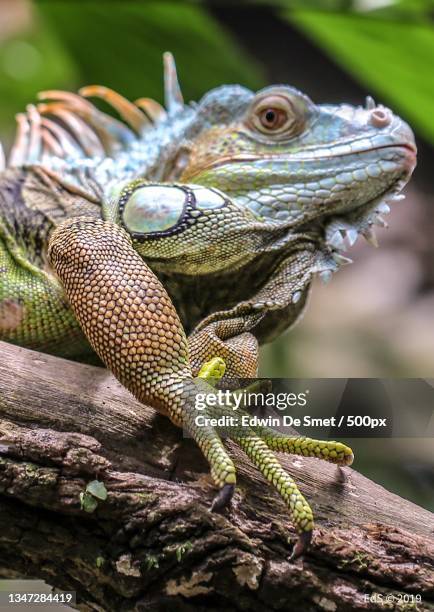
{"x":338,"y":151}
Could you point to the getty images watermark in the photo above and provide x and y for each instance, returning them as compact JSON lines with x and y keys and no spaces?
{"x":253,"y":400}
{"x":280,"y":401}
{"x":322,"y":407}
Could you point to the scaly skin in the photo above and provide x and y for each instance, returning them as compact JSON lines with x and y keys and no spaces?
{"x":208,"y":220}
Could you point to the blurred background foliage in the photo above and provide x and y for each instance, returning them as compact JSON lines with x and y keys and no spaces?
{"x":376,"y":318}
{"x":120,"y":44}
{"x":391,"y":58}
{"x":387,"y":45}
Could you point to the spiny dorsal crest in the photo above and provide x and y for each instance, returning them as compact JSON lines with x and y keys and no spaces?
{"x":66,"y":125}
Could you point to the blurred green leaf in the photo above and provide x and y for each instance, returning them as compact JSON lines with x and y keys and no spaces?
{"x":120,"y":44}
{"x":393,"y":59}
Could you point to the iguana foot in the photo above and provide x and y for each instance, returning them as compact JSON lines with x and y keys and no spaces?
{"x":258,"y":444}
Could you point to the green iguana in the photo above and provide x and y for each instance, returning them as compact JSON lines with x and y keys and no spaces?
{"x":208,"y":219}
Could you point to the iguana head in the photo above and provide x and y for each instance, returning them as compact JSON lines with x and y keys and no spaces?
{"x":292,"y":162}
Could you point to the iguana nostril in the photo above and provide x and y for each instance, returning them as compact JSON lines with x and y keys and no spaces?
{"x":380,"y":117}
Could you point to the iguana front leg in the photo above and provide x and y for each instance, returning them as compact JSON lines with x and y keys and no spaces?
{"x":132,"y":325}
{"x":230,"y":340}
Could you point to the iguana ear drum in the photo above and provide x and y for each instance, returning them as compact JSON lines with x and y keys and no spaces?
{"x":153,"y":210}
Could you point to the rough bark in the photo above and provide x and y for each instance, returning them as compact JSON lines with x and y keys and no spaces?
{"x":153,"y":544}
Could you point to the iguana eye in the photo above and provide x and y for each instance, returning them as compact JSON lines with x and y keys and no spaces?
{"x":272,"y":118}
{"x":276,"y":115}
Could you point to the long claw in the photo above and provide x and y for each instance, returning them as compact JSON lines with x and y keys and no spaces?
{"x":223,"y":497}
{"x":301,"y":546}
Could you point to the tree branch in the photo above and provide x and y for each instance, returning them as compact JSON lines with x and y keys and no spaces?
{"x":153,"y":544}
